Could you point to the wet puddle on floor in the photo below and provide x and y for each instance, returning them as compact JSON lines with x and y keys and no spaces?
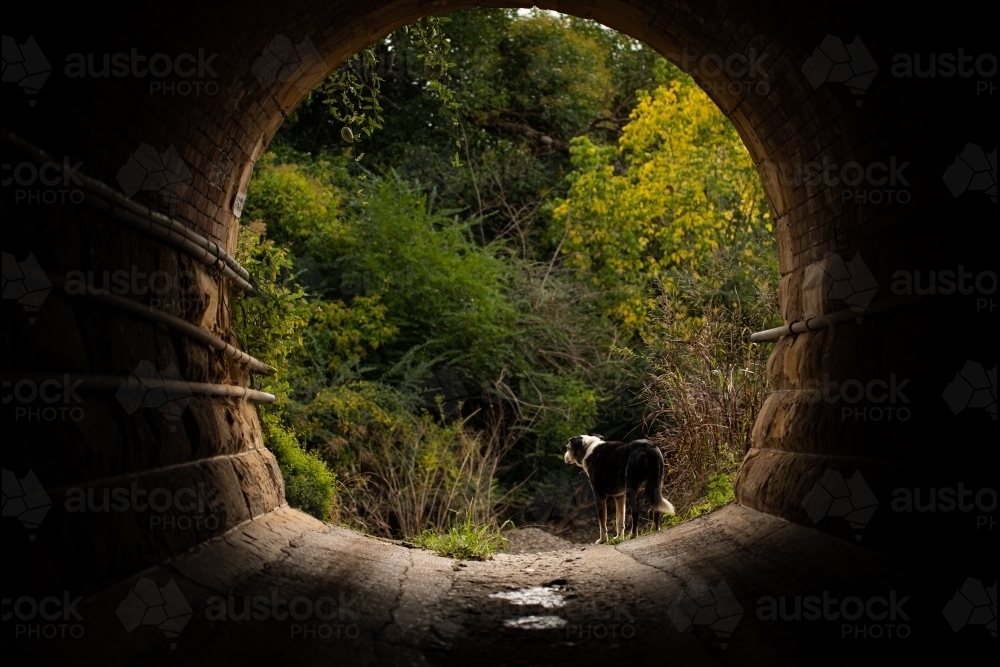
{"x":543,"y":596}
{"x":536,"y":622}
{"x":547,"y":597}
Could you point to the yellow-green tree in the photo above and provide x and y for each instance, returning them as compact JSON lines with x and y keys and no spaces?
{"x":642,"y":214}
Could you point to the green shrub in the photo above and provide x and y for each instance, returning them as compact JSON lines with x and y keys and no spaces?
{"x":309,"y":484}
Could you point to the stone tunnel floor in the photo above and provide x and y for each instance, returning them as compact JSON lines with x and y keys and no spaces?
{"x":696,"y":594}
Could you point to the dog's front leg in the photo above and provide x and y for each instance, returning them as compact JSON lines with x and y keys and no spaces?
{"x":602,"y":519}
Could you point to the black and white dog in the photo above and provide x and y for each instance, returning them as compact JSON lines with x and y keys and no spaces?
{"x":621,"y":471}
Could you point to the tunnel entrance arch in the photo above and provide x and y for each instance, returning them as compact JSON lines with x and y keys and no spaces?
{"x":777,"y":73}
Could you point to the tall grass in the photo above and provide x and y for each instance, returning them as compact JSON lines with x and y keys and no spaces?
{"x":703,"y":381}
{"x":404,"y":484}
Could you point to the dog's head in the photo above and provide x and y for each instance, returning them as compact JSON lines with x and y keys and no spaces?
{"x":579,"y":446}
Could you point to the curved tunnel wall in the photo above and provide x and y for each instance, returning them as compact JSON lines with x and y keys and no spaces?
{"x":251,"y":63}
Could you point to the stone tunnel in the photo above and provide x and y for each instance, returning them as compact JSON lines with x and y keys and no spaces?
{"x":878,"y":178}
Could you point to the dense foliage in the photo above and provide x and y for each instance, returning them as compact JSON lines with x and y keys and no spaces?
{"x":534,"y":228}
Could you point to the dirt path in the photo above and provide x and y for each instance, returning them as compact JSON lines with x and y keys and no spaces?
{"x":689,"y":595}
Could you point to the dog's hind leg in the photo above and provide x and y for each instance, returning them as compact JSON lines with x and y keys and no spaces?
{"x":620,"y":517}
{"x":602,"y":519}
{"x":633,"y":503}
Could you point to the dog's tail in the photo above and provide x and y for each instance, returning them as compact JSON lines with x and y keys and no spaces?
{"x":662,"y":504}
{"x":656,"y":499}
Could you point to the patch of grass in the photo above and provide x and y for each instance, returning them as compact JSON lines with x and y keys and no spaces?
{"x":720,"y":493}
{"x":466,"y":540}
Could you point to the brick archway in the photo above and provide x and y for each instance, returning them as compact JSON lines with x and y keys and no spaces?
{"x":853,"y":165}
